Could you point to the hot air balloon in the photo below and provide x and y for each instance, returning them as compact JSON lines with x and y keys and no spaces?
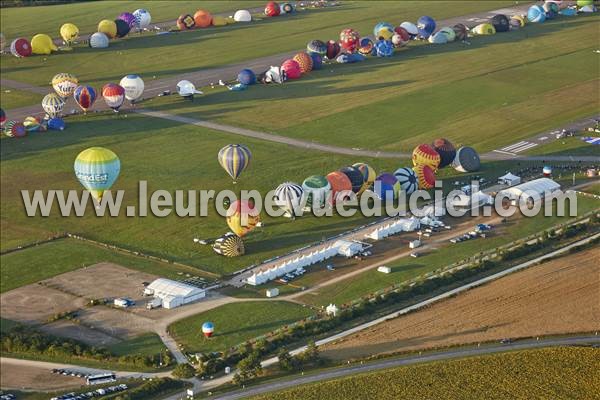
{"x":426,"y":26}
{"x":365,"y":46}
{"x":202,"y":19}
{"x":242,"y":16}
{"x":20,"y":48}
{"x":317,"y":61}
{"x":547,"y":171}
{"x":288,"y":197}
{"x":333,"y":49}
{"x":517,"y":21}
{"x":207,"y":329}
{"x":317,"y":190}
{"x":368,"y":173}
{"x":386,"y":186}
{"x":438,"y":38}
{"x":114,"y":95}
{"x":2,"y":117}
{"x":411,"y":28}
{"x":234,"y":159}
{"x":134,"y":87}
{"x":461,"y":31}
{"x":14,"y":129}
{"x":242,"y":217}
{"x":57,"y":124}
{"x":446,"y":151}
{"x":53,"y":104}
{"x":401,"y":37}
{"x":484,"y":30}
{"x":272,"y":9}
{"x":536,"y":14}
{"x":98,"y":40}
{"x":85,"y":96}
{"x":69,"y":33}
{"x":108,"y":27}
{"x":246,"y":77}
{"x":185,"y":21}
{"x":229,"y":245}
{"x":424,"y":154}
{"x":219,"y":20}
{"x":383,"y":30}
{"x":286,"y":8}
{"x":142,"y":18}
{"x":42,"y":44}
{"x":316,"y":46}
{"x":291,"y":69}
{"x":425,"y":176}
{"x":187,"y":89}
{"x":500,"y":23}
{"x":384,"y":48}
{"x":64,"y":84}
{"x":466,"y":160}
{"x":97,"y":169}
{"x":33,"y":124}
{"x":407,"y":179}
{"x":339,"y":183}
{"x":349,"y":40}
{"x":449,"y":32}
{"x":355,"y":176}
{"x":123,"y":28}
{"x":129,"y":19}
{"x":551,"y":9}
{"x":304,"y":61}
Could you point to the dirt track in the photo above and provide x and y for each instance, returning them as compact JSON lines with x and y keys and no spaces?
{"x":35,"y":378}
{"x":561,"y":296}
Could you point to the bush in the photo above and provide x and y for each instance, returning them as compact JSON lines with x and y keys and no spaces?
{"x":184,"y":371}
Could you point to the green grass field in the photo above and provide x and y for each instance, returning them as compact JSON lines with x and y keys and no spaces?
{"x":50,"y":259}
{"x":553,"y":373}
{"x":235,"y":323}
{"x":146,"y":344}
{"x":572,"y":146}
{"x":12,"y":98}
{"x":204,"y":48}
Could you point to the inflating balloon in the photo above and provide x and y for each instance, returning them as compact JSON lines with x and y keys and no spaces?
{"x":14,"y":129}
{"x":32,"y":124}
{"x":349,"y":40}
{"x":69,"y":33}
{"x":449,"y":32}
{"x":109,"y":28}
{"x":134,"y":87}
{"x":229,"y":245}
{"x":500,"y":23}
{"x":185,"y":21}
{"x":368,"y":173}
{"x":424,"y":154}
{"x":536,"y":14}
{"x":517,"y":21}
{"x":57,"y":124}
{"x":365,"y":46}
{"x":355,"y":177}
{"x":446,"y":151}
{"x":426,"y":26}
{"x":288,"y":197}
{"x":333,"y":49}
{"x":242,"y":217}
{"x":383,"y":30}
{"x":316,"y":46}
{"x":42,"y":44}
{"x":350,"y":58}
{"x":187,"y":89}
{"x":99,"y":40}
{"x":438,"y":38}
{"x":317,"y":60}
{"x":316,"y":188}
{"x":461,"y":31}
{"x":114,"y":95}
{"x":202,"y":19}
{"x":123,"y":28}
{"x":425,"y":176}
{"x":208,"y":329}
{"x":272,"y":9}
{"x":386,"y":187}
{"x":466,"y":160}
{"x":85,"y":96}
{"x":242,"y":16}
{"x":551,"y":9}
{"x":142,"y":18}
{"x":384,"y":48}
{"x":401,"y":37}
{"x":484,"y":30}
{"x":129,"y":18}
{"x":291,"y":68}
{"x":339,"y":183}
{"x":64,"y":84}
{"x":97,"y":169}
{"x":286,"y":8}
{"x":246,"y":77}
{"x":407,"y":179}
{"x":304,"y":61}
{"x":234,"y":159}
{"x":410,"y":28}
{"x":218,"y":20}
{"x":53,"y":104}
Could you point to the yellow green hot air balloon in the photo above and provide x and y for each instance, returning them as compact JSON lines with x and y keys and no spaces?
{"x":64,"y":84}
{"x":42,"y":44}
{"x":69,"y":33}
{"x":97,"y":169}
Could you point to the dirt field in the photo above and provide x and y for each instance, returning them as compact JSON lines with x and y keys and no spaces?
{"x":116,"y":323}
{"x":561,"y":296}
{"x":79,"y":332}
{"x":33,"y":378}
{"x":34,"y":303}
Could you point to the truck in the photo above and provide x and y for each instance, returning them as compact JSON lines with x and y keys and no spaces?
{"x":154,"y":303}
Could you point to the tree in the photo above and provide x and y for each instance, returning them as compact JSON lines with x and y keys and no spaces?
{"x":248,"y":368}
{"x":285,"y":360}
{"x":184,"y":371}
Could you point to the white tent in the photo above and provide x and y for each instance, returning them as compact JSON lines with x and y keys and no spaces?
{"x":332,"y":310}
{"x":251,"y":280}
{"x":347,"y":248}
{"x":525,"y":191}
{"x":509,"y":179}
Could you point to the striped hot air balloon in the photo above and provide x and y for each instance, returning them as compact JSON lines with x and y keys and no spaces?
{"x":53,"y":104}
{"x":424,"y":154}
{"x":425,"y":176}
{"x":85,"y":96}
{"x":242,"y":217}
{"x":369,"y":175}
{"x":15,"y":129}
{"x":64,"y":84}
{"x":288,"y":196}
{"x":97,"y":169}
{"x":407,"y":179}
{"x":114,"y":95}
{"x":234,"y":159}
{"x":229,"y":245}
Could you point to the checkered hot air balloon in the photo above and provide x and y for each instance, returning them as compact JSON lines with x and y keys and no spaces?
{"x":53,"y":104}
{"x":234,"y":159}
{"x":85,"y":96}
{"x":64,"y":84}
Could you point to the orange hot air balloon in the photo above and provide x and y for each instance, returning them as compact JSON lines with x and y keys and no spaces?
{"x":425,"y":176}
{"x":339,"y":182}
{"x":424,"y":154}
{"x":242,"y":217}
{"x":203,"y":19}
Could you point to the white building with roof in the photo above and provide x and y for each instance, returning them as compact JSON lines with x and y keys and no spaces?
{"x":173,"y":293}
{"x":509,"y":179}
{"x":531,"y":190}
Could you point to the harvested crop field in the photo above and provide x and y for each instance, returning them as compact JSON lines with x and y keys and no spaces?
{"x":15,"y":376}
{"x":560,"y":296}
{"x":68,"y":329}
{"x":35,"y":303}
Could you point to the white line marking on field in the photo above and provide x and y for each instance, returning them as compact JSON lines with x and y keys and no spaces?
{"x":505,"y":152}
{"x":526,"y":147}
{"x":512,"y":146}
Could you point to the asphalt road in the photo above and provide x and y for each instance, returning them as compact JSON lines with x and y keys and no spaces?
{"x":398,"y":362}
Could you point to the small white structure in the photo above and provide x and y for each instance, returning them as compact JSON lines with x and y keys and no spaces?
{"x":394,"y":227}
{"x":414,"y":244}
{"x":347,"y":248}
{"x":332,"y":310}
{"x":384,"y":269}
{"x":174,"y":294}
{"x":509,"y":180}
{"x":474,"y":200}
{"x":528,"y":190}
{"x":273,"y":292}
{"x":119,"y":302}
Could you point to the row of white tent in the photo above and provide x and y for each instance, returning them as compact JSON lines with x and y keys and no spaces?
{"x":397,"y":226}
{"x":291,"y":265}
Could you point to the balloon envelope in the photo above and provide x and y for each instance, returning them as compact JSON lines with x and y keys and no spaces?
{"x":246,"y":77}
{"x":133,"y":85}
{"x":466,"y":160}
{"x":42,"y":44}
{"x":424,"y":154}
{"x":426,"y":26}
{"x":316,"y":46}
{"x":202,"y":19}
{"x":129,"y":18}
{"x":425,"y":176}
{"x":20,"y":47}
{"x":386,"y":186}
{"x":446,"y":151}
{"x":333,"y":49}
{"x":272,"y":9}
{"x":407,"y":179}
{"x":99,"y":40}
{"x":229,"y":245}
{"x":242,"y":217}
{"x":85,"y":96}
{"x":368,"y":173}
{"x":114,"y":95}
{"x":234,"y":159}
{"x":339,"y":183}
{"x":536,"y":14}
{"x":288,"y":196}
{"x":64,"y":84}
{"x":500,"y":23}
{"x":291,"y":68}
{"x":185,"y":21}
{"x":242,"y":16}
{"x":304,"y":61}
{"x":97,"y":169}
{"x":317,"y":190}
{"x":53,"y":104}
{"x":123,"y":28}
{"x":142,"y":18}
{"x":355,"y":177}
{"x":69,"y":32}
{"x":108,"y":27}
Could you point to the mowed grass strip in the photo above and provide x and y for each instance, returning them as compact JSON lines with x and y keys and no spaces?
{"x":235,"y":323}
{"x":155,"y":57}
{"x":495,"y":91}
{"x":553,"y":373}
{"x":31,"y":265}
{"x":12,"y":98}
{"x":170,"y":157}
{"x":146,"y":344}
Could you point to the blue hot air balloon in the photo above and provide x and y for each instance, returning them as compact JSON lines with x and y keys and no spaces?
{"x":234,"y":158}
{"x":426,"y":26}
